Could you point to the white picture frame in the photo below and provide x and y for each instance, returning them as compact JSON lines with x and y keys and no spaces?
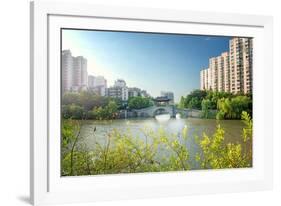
{"x":46,"y":184}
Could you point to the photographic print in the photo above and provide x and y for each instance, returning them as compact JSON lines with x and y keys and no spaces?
{"x":135,"y":102}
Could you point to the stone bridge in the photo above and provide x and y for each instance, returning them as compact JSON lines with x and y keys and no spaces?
{"x":168,"y":109}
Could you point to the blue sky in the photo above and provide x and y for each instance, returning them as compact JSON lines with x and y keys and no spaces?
{"x":154,"y":62}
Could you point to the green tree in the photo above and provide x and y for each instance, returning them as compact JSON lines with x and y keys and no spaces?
{"x":139,"y":102}
{"x":232,"y":108}
{"x":89,"y":100}
{"x":181,"y":104}
{"x":71,"y":98}
{"x":194,"y":99}
{"x":110,"y":111}
{"x":206,"y":106}
{"x":72,"y":111}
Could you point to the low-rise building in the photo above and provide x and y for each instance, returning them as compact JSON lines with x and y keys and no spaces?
{"x":97,"y":84}
{"x":119,"y":90}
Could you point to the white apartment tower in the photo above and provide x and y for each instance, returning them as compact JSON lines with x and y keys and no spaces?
{"x":67,"y":69}
{"x":226,"y":71}
{"x":74,"y":72}
{"x":231,"y":71}
{"x":241,"y":64}
{"x":204,"y":79}
{"x":213,"y":67}
{"x":223,"y":72}
{"x":80,"y":74}
{"x":209,"y":79}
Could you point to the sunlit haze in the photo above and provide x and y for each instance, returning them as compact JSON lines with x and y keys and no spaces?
{"x":153,"y":62}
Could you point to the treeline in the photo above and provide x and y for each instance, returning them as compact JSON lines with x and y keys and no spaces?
{"x":89,"y":105}
{"x":139,"y":102}
{"x":220,"y":105}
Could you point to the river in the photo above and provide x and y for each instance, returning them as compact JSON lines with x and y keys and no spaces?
{"x":196,"y":127}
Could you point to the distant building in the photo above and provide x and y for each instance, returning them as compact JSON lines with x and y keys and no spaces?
{"x":168,"y":95}
{"x":134,"y":92}
{"x":120,"y":83}
{"x":231,"y":71}
{"x":119,"y":90}
{"x":91,"y":81}
{"x":144,"y":93}
{"x":204,"y":80}
{"x":100,"y":81}
{"x":80,"y":75}
{"x":67,"y":70}
{"x":100,"y":90}
{"x":97,"y":84}
{"x":74,"y":72}
{"x":137,"y":92}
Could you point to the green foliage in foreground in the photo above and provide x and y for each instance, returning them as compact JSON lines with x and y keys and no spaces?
{"x":123,"y":153}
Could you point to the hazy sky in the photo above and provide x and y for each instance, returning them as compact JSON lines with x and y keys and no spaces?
{"x":154,"y":62}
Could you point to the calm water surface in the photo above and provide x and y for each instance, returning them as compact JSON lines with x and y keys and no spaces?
{"x":196,"y":127}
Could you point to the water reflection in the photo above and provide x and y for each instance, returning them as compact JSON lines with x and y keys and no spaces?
{"x":195,"y":130}
{"x":163,"y":117}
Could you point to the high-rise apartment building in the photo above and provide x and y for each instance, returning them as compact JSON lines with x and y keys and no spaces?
{"x":67,"y":69}
{"x":225,"y":68}
{"x":223,"y":72}
{"x":203,"y":85}
{"x":231,"y":71}
{"x":241,"y":65}
{"x":77,"y":73}
{"x":74,"y":72}
{"x":205,"y":79}
{"x":213,"y":67}
{"x":80,"y":74}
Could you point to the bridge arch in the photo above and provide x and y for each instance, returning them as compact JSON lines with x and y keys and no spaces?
{"x":154,"y":110}
{"x":160,"y":110}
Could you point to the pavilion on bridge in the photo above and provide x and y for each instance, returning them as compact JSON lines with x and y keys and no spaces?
{"x":162,"y":101}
